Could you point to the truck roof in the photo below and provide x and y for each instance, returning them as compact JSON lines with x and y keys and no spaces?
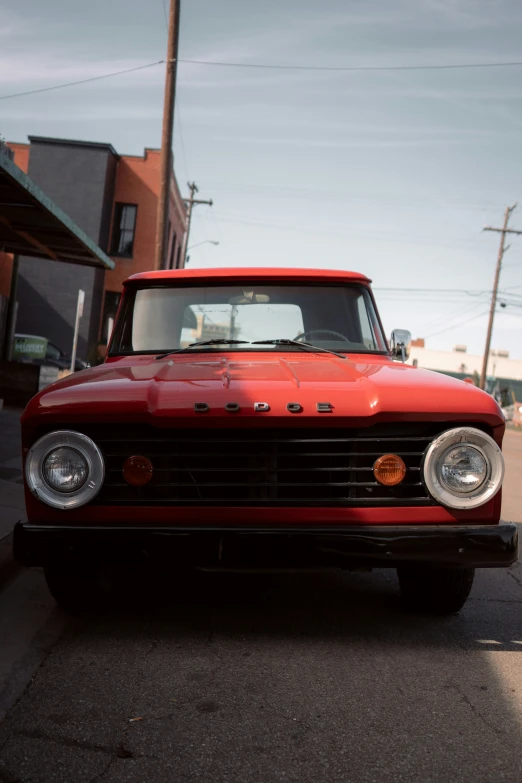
{"x":244,"y":273}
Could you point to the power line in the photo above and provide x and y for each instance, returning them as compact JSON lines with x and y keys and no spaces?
{"x":470,"y":291}
{"x":512,"y":315}
{"x":165,"y":14}
{"x":457,"y":325}
{"x":421,"y":300}
{"x":267,"y":191}
{"x":272,"y":66}
{"x":81,"y":81}
{"x":338,"y":230}
{"x":503,"y":292}
{"x":466,"y":311}
{"x":347,"y":68}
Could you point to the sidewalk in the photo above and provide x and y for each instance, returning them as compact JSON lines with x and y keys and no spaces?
{"x":12,"y":505}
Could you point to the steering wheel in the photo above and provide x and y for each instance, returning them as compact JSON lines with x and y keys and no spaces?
{"x":322,"y":331}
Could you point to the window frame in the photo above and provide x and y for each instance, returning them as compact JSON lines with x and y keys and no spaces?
{"x":119,"y":207}
{"x":123,"y":323}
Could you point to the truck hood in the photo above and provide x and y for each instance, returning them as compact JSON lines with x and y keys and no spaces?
{"x":363,"y":388}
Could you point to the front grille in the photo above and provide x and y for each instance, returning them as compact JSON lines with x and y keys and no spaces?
{"x":263,"y":467}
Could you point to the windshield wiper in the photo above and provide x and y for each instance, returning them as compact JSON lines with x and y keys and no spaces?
{"x":203,"y":342}
{"x":305,"y":346}
{"x":280,"y":341}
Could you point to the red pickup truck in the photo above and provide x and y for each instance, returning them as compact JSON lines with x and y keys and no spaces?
{"x":258,"y":418}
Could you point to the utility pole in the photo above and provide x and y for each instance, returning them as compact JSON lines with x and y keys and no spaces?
{"x":501,"y":250}
{"x":190,"y":201}
{"x":166,"y":136}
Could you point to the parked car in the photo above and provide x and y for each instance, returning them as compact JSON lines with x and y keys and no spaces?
{"x":39,"y":350}
{"x":297,"y":437}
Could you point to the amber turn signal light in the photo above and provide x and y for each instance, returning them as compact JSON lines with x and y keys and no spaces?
{"x":389,"y":470}
{"x":137,"y":470}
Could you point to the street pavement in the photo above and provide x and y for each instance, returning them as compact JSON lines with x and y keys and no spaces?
{"x":318,"y":677}
{"x":11,"y":489}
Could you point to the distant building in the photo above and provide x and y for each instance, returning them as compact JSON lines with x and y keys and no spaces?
{"x":461,"y":364}
{"x":114,"y":199}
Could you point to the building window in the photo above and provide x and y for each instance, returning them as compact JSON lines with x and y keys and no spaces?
{"x":110,"y":308}
{"x":178,"y":256}
{"x":123,"y":230}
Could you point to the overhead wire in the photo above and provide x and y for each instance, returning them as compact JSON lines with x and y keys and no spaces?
{"x":277,"y":66}
{"x":470,"y":291}
{"x":272,"y":66}
{"x":337,"y":230}
{"x":165,"y":14}
{"x":81,"y":81}
{"x":433,"y":324}
{"x":348,"y":68}
{"x":267,"y":191}
{"x":455,"y":324}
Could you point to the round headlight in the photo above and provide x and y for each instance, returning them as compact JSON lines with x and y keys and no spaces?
{"x":64,"y":469}
{"x":463,"y":468}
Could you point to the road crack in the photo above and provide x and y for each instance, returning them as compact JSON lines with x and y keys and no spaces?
{"x":69,"y":742}
{"x":474,"y":709}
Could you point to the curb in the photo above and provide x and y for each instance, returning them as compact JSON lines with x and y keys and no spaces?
{"x":9,"y":568}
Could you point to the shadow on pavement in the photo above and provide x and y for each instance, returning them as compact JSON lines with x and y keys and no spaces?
{"x":275,"y":678}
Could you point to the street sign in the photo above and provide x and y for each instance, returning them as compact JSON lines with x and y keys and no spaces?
{"x":81,"y":300}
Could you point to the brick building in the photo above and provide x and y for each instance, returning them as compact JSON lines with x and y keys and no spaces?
{"x":114,"y":199}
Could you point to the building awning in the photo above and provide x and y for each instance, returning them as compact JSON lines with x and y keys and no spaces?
{"x":32,"y":225}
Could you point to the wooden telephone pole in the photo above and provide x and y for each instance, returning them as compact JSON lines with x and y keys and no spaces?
{"x":190,"y":201}
{"x":502,"y":249}
{"x":166,"y":138}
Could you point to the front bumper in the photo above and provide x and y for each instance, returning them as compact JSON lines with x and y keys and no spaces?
{"x":471,"y":546}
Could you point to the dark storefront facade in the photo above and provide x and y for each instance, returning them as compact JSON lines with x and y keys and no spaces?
{"x":113,"y":198}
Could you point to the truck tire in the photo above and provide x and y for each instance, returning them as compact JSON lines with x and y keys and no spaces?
{"x":72,"y":583}
{"x":435,"y":590}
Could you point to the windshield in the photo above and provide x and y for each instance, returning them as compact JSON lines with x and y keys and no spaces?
{"x":340,"y":318}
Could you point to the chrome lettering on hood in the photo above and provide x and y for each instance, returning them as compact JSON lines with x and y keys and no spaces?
{"x":262,"y":407}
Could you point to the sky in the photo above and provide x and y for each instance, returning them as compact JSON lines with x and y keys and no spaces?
{"x":392,"y":173}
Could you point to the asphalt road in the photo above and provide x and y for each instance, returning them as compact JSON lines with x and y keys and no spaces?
{"x":260,"y":679}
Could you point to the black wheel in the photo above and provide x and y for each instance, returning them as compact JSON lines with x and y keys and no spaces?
{"x":74,"y":584}
{"x":435,"y":590}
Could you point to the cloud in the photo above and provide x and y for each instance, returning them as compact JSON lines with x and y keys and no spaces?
{"x":463,"y":13}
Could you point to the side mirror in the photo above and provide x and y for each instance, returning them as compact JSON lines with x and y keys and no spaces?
{"x":400,"y":344}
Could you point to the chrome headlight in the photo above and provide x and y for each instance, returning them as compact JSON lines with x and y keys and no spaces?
{"x":64,"y":469}
{"x":463,"y":468}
